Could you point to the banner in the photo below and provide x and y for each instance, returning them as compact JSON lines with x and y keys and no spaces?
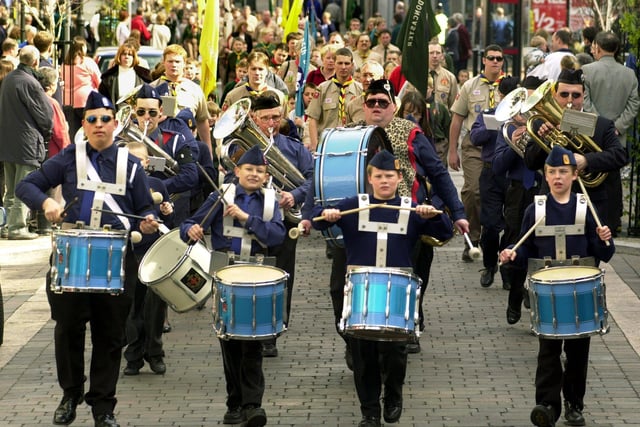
{"x":418,"y":28}
{"x":292,"y":20}
{"x":303,"y":68}
{"x":209,"y":45}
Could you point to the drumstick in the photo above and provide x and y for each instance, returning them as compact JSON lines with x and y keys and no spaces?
{"x":128,"y":215}
{"x":474,"y":252}
{"x":591,"y":208}
{"x":211,"y":209}
{"x":399,"y":208}
{"x":66,"y":208}
{"x":350,"y":211}
{"x":526,"y":235}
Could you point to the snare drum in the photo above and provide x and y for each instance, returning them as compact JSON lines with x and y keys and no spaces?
{"x":568,"y":302}
{"x":381,"y":304}
{"x":249,"y":302}
{"x":88,"y":261}
{"x":341,"y":166}
{"x":177,"y":272}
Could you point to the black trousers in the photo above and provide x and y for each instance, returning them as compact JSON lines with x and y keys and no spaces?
{"x":337,"y":282}
{"x":144,"y":325}
{"x":492,"y":197}
{"x":286,"y":260}
{"x":422,"y":260}
{"x":242,"y":362}
{"x":552,"y":378}
{"x":107,"y":315}
{"x":376,"y":363}
{"x":517,"y":199}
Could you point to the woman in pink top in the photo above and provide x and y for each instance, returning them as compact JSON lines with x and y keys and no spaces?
{"x":81,"y":75}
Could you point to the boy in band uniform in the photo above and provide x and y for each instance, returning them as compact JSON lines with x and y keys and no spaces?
{"x":375,"y":362}
{"x":561,"y":207}
{"x":254,"y":213}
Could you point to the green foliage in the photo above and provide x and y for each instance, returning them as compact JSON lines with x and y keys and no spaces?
{"x":630,"y":24}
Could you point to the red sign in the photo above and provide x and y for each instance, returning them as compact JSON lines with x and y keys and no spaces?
{"x":550,"y":15}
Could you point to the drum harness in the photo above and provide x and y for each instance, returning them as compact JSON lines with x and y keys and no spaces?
{"x":383,"y":229}
{"x":560,"y":232}
{"x":102,"y":190}
{"x":229,"y":230}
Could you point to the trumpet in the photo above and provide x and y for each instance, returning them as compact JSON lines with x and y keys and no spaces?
{"x":543,"y":107}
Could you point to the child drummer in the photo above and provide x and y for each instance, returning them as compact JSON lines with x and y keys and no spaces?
{"x":381,"y":238}
{"x":250,"y":214}
{"x":579,"y":237}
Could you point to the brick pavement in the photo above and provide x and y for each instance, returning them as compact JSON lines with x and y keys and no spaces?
{"x":474,"y":369}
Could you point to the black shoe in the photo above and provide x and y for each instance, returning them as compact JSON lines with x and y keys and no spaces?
{"x":413,"y":347}
{"x":66,"y":410}
{"x":255,"y":417}
{"x":233,"y":416}
{"x":573,"y":415}
{"x":543,"y":416}
{"x":392,"y":411}
{"x":166,"y":328}
{"x":269,"y":350}
{"x":348,"y":358}
{"x":133,"y":368}
{"x":465,"y":255}
{"x":105,"y":420}
{"x":513,"y":316}
{"x":157,"y":365}
{"x":486,"y":278}
{"x":369,"y":422}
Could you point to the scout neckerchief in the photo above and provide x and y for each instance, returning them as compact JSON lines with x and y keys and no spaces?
{"x":343,"y":95}
{"x":253,"y":92}
{"x":492,"y":88}
{"x":173,"y":86}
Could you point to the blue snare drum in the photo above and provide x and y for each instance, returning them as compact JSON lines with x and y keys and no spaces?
{"x":381,"y":304}
{"x":568,"y":302}
{"x":88,"y":261}
{"x":341,"y":166}
{"x":249,"y":301}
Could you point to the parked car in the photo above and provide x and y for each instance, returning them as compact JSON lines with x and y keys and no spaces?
{"x":104,"y":56}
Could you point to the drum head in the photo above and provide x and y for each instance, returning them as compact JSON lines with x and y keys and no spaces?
{"x":245,"y":274}
{"x":565,"y":274}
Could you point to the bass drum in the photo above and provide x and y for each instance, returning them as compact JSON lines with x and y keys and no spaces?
{"x":341,"y":166}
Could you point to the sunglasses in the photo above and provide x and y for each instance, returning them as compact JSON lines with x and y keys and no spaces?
{"x":94,"y":119}
{"x":152,"y":113}
{"x":382,"y":103}
{"x":574,"y":95}
{"x":494,"y":58}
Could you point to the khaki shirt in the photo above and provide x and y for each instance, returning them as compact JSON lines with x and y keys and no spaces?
{"x":189,"y":95}
{"x":359,"y":60}
{"x":472,"y":99}
{"x":244,"y":91}
{"x":324,"y":108}
{"x":445,"y":86}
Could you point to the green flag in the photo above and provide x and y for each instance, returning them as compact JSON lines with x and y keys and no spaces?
{"x":418,"y":28}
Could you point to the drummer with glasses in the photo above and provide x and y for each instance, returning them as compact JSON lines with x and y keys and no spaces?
{"x":567,"y":231}
{"x":247,"y":222}
{"x":381,"y":238}
{"x":127,"y":192}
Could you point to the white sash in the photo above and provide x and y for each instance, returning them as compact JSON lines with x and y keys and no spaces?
{"x":560,"y":232}
{"x":89,"y":180}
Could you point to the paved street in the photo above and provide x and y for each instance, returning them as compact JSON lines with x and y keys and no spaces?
{"x":474,"y":369}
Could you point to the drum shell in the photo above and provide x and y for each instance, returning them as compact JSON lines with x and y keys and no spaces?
{"x":245,"y":308}
{"x":88,"y":261}
{"x":177,"y":272}
{"x":341,"y":167}
{"x":568,"y":302}
{"x":381,"y":304}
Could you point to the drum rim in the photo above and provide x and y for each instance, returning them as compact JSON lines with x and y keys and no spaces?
{"x":217,"y":279}
{"x":87,"y":232}
{"x":597,"y":273}
{"x":383,"y":270}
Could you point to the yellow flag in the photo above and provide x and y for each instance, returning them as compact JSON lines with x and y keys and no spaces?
{"x":209,"y":45}
{"x":285,"y":12}
{"x":292,"y":20}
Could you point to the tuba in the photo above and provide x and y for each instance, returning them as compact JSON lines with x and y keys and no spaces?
{"x":509,"y":107}
{"x":543,"y":107}
{"x":244,"y":133}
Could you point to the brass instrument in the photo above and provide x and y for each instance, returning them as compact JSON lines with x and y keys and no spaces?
{"x":543,"y":107}
{"x":235,"y":122}
{"x":129,"y":132}
{"x":128,"y":99}
{"x":509,"y":107}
